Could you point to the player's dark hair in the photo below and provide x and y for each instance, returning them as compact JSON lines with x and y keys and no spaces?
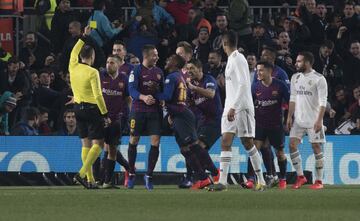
{"x":231,"y":38}
{"x":196,"y":62}
{"x":13,"y":60}
{"x":271,"y":50}
{"x":115,"y":57}
{"x":147,"y":48}
{"x":31,"y":113}
{"x":99,"y":4}
{"x":68,"y":111}
{"x":119,"y":42}
{"x":328,"y":44}
{"x":186,"y":45}
{"x":86,"y":52}
{"x":266,"y":64}
{"x":217,"y":52}
{"x":180,"y":61}
{"x":308,"y":56}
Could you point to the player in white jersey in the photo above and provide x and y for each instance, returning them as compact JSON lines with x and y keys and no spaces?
{"x":238,"y":116}
{"x":307,"y":103}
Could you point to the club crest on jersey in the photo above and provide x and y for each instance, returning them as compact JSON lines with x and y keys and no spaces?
{"x":310,"y":82}
{"x":131,"y":77}
{"x":158,"y":76}
{"x":274,"y":93}
{"x":121,"y":85}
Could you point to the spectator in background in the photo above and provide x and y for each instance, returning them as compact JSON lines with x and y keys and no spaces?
{"x":335,"y":22}
{"x":252,"y":61}
{"x":341,"y":105}
{"x":15,"y":80}
{"x":327,"y":63}
{"x":285,"y":53}
{"x":142,"y":33}
{"x":104,"y":31}
{"x":44,"y":128}
{"x":318,"y":24}
{"x":179,"y":9}
{"x":34,"y":80}
{"x":28,"y":125}
{"x":74,"y":29}
{"x":32,"y":54}
{"x":216,"y":68}
{"x":196,"y":21}
{"x":298,"y":32}
{"x":351,"y":22}
{"x":133,"y":60}
{"x":60,"y":24}
{"x":7,"y":104}
{"x":68,"y":127}
{"x":355,"y":106}
{"x":150,"y":11}
{"x":211,"y":10}
{"x":351,"y":64}
{"x":239,"y":20}
{"x":201,"y":45}
{"x":259,"y":39}
{"x":221,"y":26}
{"x":47,"y":97}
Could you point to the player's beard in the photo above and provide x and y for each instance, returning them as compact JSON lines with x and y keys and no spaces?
{"x":300,"y":69}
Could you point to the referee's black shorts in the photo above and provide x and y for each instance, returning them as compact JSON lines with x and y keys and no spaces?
{"x":90,"y":122}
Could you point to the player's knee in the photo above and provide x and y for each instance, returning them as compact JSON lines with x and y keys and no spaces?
{"x":247,"y":143}
{"x":134,"y":140}
{"x":155,"y":140}
{"x":293,"y":145}
{"x":316,"y":148}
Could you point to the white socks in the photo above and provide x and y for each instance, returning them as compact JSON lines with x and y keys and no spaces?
{"x":319,"y":166}
{"x":225,"y":160}
{"x":296,"y":161}
{"x":255,"y":159}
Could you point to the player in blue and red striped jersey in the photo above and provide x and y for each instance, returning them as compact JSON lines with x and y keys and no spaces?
{"x":145,"y":81}
{"x":114,"y":86}
{"x":183,"y":120}
{"x":268,"y":94}
{"x":205,"y":96}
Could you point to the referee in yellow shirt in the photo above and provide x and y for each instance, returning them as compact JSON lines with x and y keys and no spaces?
{"x":90,"y":108}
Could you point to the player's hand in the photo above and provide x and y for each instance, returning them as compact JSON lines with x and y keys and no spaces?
{"x":317,"y":126}
{"x":148,"y":99}
{"x":289,"y":123}
{"x":87,"y":30}
{"x":231,"y":114}
{"x":190,"y":85}
{"x":332,"y":113}
{"x":170,"y":121}
{"x":71,"y":101}
{"x":107,"y":121}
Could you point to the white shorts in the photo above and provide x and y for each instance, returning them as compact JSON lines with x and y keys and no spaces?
{"x":299,"y":132}
{"x":242,"y":126}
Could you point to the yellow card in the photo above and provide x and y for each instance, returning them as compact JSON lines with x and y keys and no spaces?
{"x":93,"y":24}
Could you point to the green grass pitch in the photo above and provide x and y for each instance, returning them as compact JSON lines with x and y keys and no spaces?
{"x":172,"y":204}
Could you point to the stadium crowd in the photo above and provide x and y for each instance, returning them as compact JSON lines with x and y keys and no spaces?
{"x":35,"y":86}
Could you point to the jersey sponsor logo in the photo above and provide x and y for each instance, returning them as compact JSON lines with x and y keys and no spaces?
{"x":110,"y":92}
{"x":131,"y":77}
{"x":200,"y":100}
{"x":266,"y":103}
{"x":210,"y":84}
